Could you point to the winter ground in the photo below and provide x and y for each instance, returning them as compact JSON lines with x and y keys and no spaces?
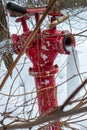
{"x":78,"y":24}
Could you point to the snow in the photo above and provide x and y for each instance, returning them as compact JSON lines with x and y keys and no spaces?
{"x":77,"y":25}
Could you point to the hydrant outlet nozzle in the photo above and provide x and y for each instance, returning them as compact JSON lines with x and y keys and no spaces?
{"x":69,"y":41}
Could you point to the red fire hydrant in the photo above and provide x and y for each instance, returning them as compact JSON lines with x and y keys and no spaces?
{"x":42,"y":54}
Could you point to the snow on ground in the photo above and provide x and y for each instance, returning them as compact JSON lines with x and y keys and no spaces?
{"x":78,"y":24}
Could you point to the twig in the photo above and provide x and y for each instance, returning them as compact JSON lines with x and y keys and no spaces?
{"x":73,"y":94}
{"x":57,"y":114}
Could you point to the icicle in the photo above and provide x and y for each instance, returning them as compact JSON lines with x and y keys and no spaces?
{"x":72,"y":71}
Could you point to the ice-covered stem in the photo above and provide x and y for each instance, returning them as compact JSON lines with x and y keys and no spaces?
{"x":6,"y":46}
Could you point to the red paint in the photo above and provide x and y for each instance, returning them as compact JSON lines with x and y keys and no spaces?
{"x":35,"y":10}
{"x":42,"y":54}
{"x":23,"y":22}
